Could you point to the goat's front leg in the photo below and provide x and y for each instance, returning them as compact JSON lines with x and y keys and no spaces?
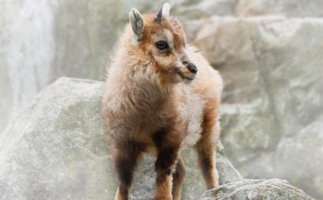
{"x":125,"y":156}
{"x":168,"y":146}
{"x":164,"y":167}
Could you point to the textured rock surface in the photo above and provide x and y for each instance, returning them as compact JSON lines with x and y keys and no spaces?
{"x":57,"y":149}
{"x":256,"y":189}
{"x":26,"y":52}
{"x":256,"y":50}
{"x":289,"y":8}
{"x":303,"y":151}
{"x":245,"y":129}
{"x":276,"y":81}
{"x":272,"y":70}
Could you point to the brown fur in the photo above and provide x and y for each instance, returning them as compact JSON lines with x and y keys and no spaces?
{"x":150,"y":107}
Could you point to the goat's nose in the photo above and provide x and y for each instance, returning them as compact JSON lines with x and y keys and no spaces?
{"x":192,"y":67}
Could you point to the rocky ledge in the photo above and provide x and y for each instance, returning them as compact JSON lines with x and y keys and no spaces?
{"x":256,"y":190}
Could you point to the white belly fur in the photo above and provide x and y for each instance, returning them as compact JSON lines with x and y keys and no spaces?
{"x":194,"y":128}
{"x":194,"y":112}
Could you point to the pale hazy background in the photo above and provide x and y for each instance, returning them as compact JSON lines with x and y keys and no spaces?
{"x":269,"y":52}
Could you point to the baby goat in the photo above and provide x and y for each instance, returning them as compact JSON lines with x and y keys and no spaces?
{"x":161,"y":96}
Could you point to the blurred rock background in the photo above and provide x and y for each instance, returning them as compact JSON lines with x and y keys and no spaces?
{"x":268,"y":52}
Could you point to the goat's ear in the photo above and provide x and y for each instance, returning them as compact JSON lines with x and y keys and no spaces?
{"x":137,"y":22}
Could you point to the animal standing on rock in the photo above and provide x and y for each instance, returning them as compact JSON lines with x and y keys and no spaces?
{"x":161,"y":96}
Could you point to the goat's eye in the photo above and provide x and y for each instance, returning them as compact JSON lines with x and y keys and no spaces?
{"x":161,"y":45}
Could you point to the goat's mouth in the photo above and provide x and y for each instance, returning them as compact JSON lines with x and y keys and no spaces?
{"x":190,"y":77}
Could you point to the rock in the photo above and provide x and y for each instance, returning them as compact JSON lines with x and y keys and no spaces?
{"x":270,"y":98}
{"x":248,"y":140}
{"x":299,"y":159}
{"x":227,"y":173}
{"x":246,"y":133}
{"x":57,"y":149}
{"x":86,"y":31}
{"x":249,"y":137}
{"x":290,"y":8}
{"x":256,"y":189}
{"x":26,"y":53}
{"x":187,"y":9}
{"x":245,"y":46}
{"x":282,"y":95}
{"x":226,"y":43}
{"x":261,"y":166}
{"x":293,"y":86}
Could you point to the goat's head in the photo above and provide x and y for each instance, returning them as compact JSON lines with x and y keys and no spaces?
{"x":163,"y":39}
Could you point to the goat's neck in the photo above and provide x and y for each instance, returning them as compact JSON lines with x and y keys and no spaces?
{"x":144,"y":85}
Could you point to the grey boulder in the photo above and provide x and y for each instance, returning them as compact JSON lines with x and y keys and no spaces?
{"x":256,"y":190}
{"x":57,"y":148}
{"x":299,"y":159}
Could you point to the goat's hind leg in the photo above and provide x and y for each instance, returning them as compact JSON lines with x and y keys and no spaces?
{"x":206,"y":161}
{"x":178,"y":179}
{"x":206,"y":150}
{"x":125,"y":157}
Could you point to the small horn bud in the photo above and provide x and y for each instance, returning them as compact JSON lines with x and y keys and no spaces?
{"x":163,"y":10}
{"x":159,"y":14}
